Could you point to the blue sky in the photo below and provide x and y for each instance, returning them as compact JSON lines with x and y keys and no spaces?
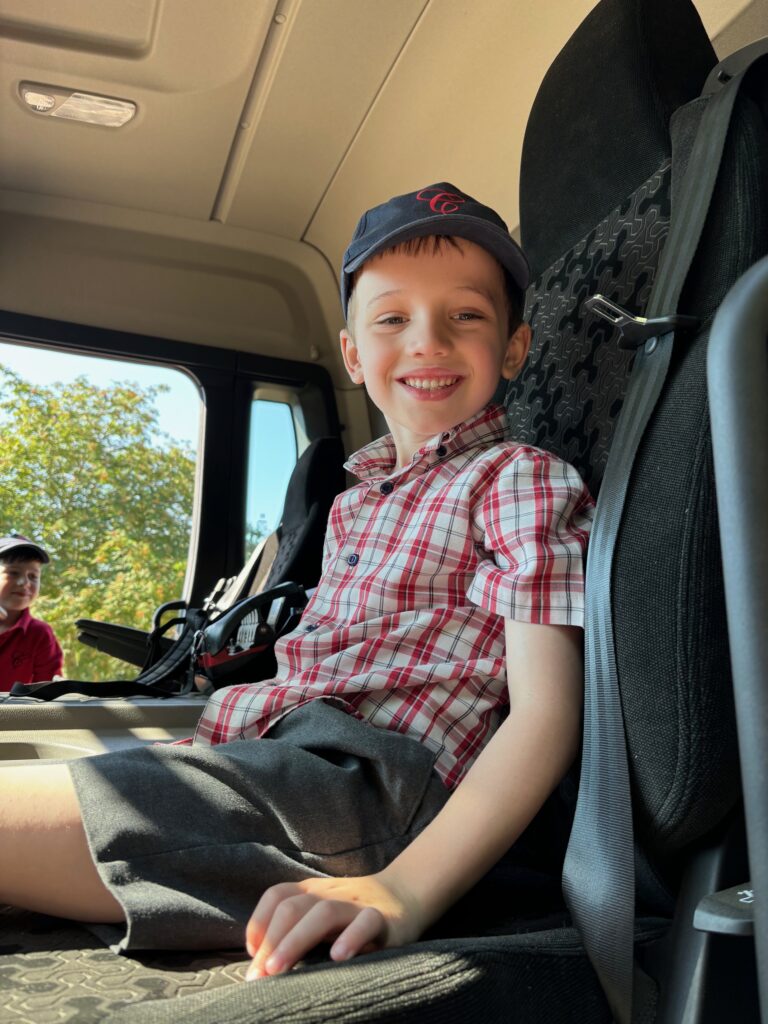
{"x":178,"y":413}
{"x":178,"y":410}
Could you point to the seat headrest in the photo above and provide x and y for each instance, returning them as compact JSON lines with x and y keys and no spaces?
{"x":599,"y":124}
{"x":317,"y":477}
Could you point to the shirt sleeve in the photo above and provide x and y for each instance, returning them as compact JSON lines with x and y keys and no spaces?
{"x":532,"y":525}
{"x":48,"y":657}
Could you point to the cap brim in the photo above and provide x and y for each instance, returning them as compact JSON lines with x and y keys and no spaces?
{"x":30,"y":546}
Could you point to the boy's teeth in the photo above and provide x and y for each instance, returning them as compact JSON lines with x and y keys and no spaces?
{"x":430,"y":383}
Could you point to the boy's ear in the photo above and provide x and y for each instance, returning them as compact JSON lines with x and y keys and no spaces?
{"x":516,"y":352}
{"x":351,"y":356}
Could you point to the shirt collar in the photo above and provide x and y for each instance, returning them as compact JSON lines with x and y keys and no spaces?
{"x":22,"y":623}
{"x":379,"y":458}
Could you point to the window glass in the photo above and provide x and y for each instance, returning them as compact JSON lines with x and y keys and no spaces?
{"x":97,"y":463}
{"x":272,"y":454}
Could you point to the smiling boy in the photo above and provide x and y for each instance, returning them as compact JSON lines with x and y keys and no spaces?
{"x":29,"y":650}
{"x":430,"y":699}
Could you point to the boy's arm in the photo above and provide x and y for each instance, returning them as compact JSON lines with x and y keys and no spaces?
{"x":494,"y":803}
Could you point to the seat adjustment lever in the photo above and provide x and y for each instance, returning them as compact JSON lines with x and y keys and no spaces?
{"x":637,"y":330}
{"x":728,"y":912}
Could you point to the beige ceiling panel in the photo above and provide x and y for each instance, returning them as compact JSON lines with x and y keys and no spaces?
{"x":194,"y":44}
{"x":338,"y":53}
{"x":717,"y":14}
{"x":189,"y":91}
{"x":748,"y":23}
{"x":467,"y":80}
{"x":124,"y":28}
{"x":155,"y":162}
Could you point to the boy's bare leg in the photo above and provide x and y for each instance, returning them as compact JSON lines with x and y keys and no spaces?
{"x":45,"y":863}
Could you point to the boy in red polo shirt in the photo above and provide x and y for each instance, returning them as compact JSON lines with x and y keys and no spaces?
{"x":29,"y":650}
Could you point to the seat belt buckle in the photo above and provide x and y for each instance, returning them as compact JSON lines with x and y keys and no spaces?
{"x":635,"y":331}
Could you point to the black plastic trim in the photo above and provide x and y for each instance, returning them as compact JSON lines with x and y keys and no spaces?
{"x":737,"y":379}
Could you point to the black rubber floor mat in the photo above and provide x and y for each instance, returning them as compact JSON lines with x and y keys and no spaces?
{"x":57,"y":972}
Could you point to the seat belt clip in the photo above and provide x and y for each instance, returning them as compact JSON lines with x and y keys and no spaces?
{"x":635,"y":331}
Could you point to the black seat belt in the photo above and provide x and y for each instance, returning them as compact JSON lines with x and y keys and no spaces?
{"x":599,"y":870}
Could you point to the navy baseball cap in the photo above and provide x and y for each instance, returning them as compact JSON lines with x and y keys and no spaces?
{"x":440,"y":209}
{"x":15,"y":540}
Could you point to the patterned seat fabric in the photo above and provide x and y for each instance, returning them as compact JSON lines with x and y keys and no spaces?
{"x":571,"y":392}
{"x":595,"y":187}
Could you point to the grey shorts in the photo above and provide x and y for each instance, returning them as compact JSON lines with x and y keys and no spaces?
{"x":187,"y":838}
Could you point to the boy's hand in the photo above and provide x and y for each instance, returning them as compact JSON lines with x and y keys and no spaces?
{"x":361,"y":914}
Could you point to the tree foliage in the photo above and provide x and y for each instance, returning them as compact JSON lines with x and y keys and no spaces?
{"x":86,"y":471}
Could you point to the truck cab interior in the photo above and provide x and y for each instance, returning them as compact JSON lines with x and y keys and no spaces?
{"x":178,"y":182}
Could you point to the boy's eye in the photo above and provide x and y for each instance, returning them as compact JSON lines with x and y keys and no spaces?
{"x":393,"y":320}
{"x":467,"y":315}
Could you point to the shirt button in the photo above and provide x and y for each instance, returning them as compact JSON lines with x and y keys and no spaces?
{"x":353,"y":559}
{"x":387,"y":487}
{"x":441,"y":451}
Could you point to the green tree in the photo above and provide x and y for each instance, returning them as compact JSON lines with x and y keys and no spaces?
{"x":86,"y":471}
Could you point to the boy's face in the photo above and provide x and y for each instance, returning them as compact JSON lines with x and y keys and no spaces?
{"x":19,"y":584}
{"x":428,"y":336}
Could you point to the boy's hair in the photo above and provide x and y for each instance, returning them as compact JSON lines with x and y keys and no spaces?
{"x":513,"y":293}
{"x":29,"y":554}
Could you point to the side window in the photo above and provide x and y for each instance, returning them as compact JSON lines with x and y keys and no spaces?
{"x":97,"y":462}
{"x":273,"y":448}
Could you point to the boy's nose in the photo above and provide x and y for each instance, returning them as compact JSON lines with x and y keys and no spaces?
{"x":429,"y":338}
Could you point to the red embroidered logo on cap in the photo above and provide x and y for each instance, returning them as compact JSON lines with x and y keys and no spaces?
{"x":441,"y":202}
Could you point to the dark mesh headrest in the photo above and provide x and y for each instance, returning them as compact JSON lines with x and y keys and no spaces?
{"x":599,"y":125}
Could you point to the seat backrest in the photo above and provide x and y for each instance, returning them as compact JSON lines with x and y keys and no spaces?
{"x":293,"y":552}
{"x":602,"y":159}
{"x":594,"y":213}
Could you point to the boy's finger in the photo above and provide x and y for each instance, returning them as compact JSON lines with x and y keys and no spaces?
{"x":286,"y":916}
{"x":259,"y":920}
{"x":367,"y":931}
{"x":324,"y":919}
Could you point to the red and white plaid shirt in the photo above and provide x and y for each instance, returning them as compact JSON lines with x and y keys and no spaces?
{"x":421,"y":566}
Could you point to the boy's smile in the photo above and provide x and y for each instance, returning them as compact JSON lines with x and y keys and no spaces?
{"x":428,"y":336}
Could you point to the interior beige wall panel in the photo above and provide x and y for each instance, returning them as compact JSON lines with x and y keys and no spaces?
{"x":745,"y":24}
{"x":718,"y":14}
{"x":466,"y":79}
{"x":198,"y":282}
{"x":337,"y":55}
{"x":189,"y":86}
